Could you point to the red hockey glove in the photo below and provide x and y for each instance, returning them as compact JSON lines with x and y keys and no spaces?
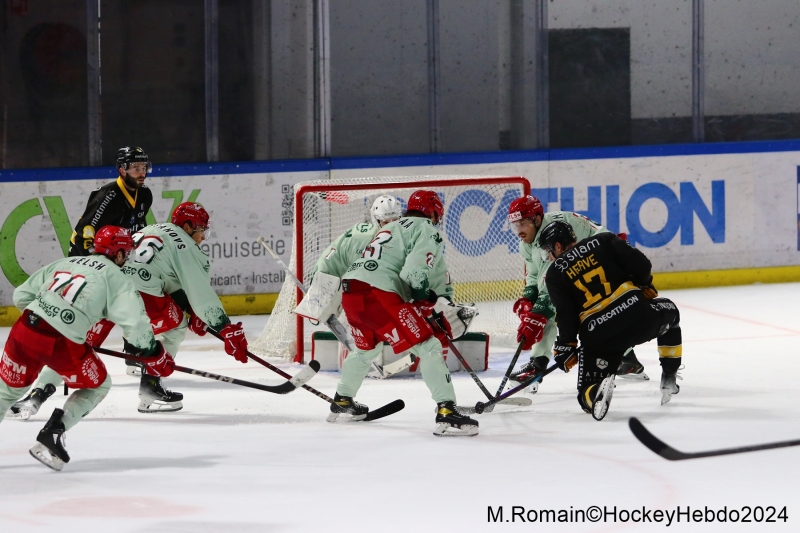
{"x":197,"y":326}
{"x":159,"y":363}
{"x":565,"y":354}
{"x":531,"y":325}
{"x":623,"y":236}
{"x":235,"y":343}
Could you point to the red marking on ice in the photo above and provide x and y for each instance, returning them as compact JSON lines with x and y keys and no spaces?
{"x":116,"y":507}
{"x":747,"y":320}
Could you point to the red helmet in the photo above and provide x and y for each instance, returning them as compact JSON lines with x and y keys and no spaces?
{"x":525,"y":207}
{"x":112,"y":239}
{"x":427,"y":203}
{"x":192,"y":213}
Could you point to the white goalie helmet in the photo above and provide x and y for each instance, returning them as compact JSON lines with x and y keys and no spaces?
{"x":384,"y":208}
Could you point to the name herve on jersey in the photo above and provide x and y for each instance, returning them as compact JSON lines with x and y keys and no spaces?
{"x":578,"y":254}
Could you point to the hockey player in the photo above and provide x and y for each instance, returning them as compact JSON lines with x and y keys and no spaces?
{"x":535,"y":311}
{"x":388,"y":293}
{"x":124,"y":202}
{"x":171,"y":273}
{"x":59,"y":304}
{"x":603,"y":294}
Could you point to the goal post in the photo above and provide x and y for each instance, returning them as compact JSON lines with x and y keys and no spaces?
{"x":481,"y":251}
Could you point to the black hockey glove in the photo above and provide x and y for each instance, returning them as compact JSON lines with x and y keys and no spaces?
{"x":565,"y":354}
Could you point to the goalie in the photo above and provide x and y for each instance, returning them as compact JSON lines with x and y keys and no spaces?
{"x":388,"y":294}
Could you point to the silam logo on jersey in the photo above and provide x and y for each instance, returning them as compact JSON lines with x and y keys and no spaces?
{"x":67,"y":316}
{"x":371,"y":265}
{"x":611,"y":314}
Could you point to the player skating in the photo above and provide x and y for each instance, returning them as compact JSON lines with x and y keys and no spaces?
{"x":388,"y":293}
{"x":124,"y":203}
{"x":171,"y":273}
{"x":59,"y":304}
{"x":535,"y":310}
{"x":602,"y":290}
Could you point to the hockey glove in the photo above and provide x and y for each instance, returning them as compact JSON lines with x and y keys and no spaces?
{"x":623,"y":236}
{"x":565,"y":355}
{"x":649,"y":291}
{"x":531,"y":325}
{"x":197,"y":326}
{"x":235,"y":343}
{"x":159,"y":363}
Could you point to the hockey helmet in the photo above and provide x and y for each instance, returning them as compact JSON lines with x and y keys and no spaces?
{"x":385,"y":207}
{"x":112,"y":239}
{"x":556,"y":232}
{"x":190,"y":212}
{"x":427,"y":203}
{"x":524,"y":207}
{"x":132,"y":154}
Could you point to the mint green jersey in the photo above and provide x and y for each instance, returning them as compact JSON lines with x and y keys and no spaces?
{"x":537,"y":262}
{"x":404,"y":256}
{"x":346,"y":249}
{"x":167,"y":260}
{"x":74,"y":293}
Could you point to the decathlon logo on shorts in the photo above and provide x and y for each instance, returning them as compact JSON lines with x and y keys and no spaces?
{"x":67,"y":316}
{"x":611,"y":314}
{"x":144,"y":274}
{"x":371,"y":265}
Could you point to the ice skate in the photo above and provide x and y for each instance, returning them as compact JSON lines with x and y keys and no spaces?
{"x":451,"y":423}
{"x":603,"y":397}
{"x":346,"y":409}
{"x":535,"y":366}
{"x":669,"y":386}
{"x":156,"y":399}
{"x":50,"y":446}
{"x":132,"y":368}
{"x":631,"y":368}
{"x":29,"y":405}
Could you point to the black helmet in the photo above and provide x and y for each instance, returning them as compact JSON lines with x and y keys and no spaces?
{"x":556,"y":232}
{"x":132,"y":154}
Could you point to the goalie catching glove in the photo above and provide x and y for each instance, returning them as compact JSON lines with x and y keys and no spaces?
{"x":565,"y":354}
{"x":235,"y":343}
{"x":531,"y":325}
{"x":453,"y":319}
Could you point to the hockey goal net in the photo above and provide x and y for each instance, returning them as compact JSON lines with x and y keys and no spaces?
{"x":482,"y":253}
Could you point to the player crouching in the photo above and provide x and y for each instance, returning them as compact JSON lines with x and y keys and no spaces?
{"x":59,"y":304}
{"x":603,"y":293}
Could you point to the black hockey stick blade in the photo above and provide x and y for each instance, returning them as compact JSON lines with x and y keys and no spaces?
{"x":666,"y":451}
{"x":388,"y":409}
{"x":519,"y":402}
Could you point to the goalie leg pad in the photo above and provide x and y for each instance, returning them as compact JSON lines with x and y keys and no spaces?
{"x":458,"y":316}
{"x":323,"y":299}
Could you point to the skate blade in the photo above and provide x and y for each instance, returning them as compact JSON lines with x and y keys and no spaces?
{"x":443,"y":429}
{"x":641,"y":377}
{"x":22,"y":414}
{"x":603,"y":399}
{"x":344,"y":418}
{"x":134,"y":371}
{"x":40,"y":452}
{"x":533,"y":388}
{"x":159,"y":407}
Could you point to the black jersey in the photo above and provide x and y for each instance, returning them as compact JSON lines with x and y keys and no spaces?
{"x":110,"y":205}
{"x":595,"y":287}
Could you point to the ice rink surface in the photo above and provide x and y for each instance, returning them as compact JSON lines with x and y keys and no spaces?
{"x":241,"y":460}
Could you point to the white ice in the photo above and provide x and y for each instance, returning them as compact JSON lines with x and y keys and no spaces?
{"x":242,"y":460}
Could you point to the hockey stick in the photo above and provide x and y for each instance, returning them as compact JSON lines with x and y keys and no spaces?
{"x":299,"y":380}
{"x":510,"y":367}
{"x":386,"y":410}
{"x":481,"y":407}
{"x":666,"y":451}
